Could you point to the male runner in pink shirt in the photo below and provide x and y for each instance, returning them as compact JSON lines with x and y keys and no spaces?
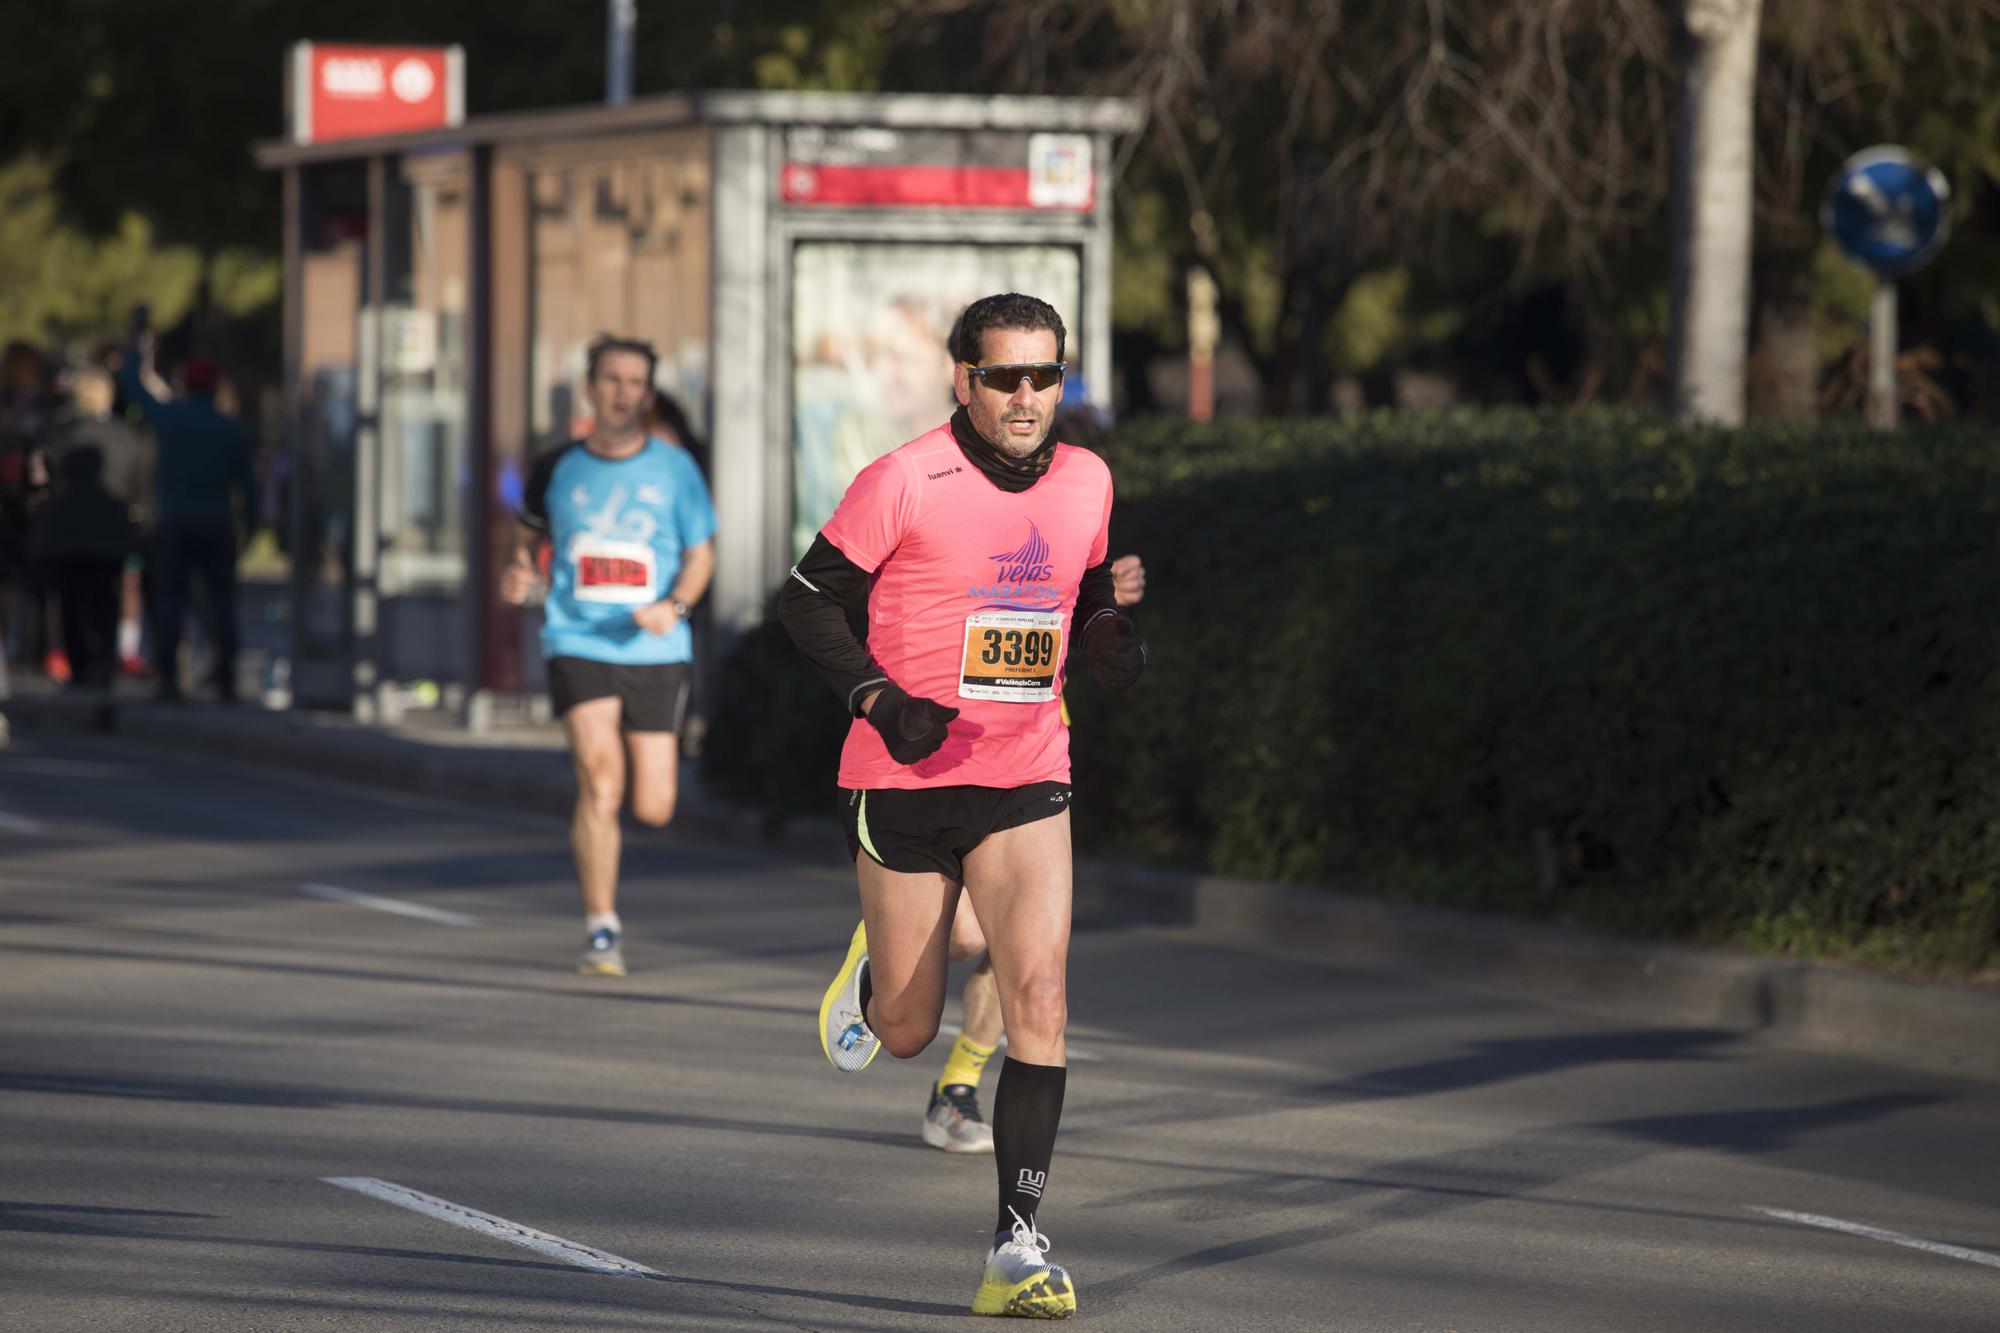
{"x":980,"y":550}
{"x":952,"y":1121}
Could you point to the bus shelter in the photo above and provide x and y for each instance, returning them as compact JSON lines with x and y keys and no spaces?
{"x":796,"y":259}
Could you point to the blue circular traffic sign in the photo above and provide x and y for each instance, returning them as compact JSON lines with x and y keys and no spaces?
{"x":1887,"y":210}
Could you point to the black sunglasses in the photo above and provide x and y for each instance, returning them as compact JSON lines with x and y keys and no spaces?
{"x":1040,"y":375}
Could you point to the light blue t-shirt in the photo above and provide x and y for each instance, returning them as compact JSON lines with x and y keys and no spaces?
{"x":617,"y":528}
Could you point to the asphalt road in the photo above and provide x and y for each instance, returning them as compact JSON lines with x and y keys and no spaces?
{"x":191,"y":1046}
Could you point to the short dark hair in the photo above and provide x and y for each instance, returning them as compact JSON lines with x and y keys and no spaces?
{"x":607,"y":342}
{"x":1009,"y":310}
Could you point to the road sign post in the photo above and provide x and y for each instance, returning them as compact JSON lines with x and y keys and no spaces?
{"x":1887,"y":212}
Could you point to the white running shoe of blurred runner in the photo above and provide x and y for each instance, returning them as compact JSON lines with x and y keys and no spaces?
{"x":952,"y":1120}
{"x":601,"y":955}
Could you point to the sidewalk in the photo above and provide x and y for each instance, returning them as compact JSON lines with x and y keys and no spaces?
{"x":1933,"y":1025}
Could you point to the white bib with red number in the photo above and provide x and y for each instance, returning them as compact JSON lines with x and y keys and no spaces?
{"x":621,"y":573}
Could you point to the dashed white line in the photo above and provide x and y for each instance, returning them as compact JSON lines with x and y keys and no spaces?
{"x":1074,"y":1053}
{"x":1877,"y":1233}
{"x":334,"y":893}
{"x":541,"y":1242}
{"x":20,"y":823}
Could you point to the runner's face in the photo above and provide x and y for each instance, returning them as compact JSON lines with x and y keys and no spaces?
{"x":1014,"y":419}
{"x":618,"y":392}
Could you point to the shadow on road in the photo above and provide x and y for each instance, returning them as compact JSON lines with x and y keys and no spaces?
{"x":307,"y":1097}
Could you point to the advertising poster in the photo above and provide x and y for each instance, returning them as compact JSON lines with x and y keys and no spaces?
{"x":869,"y":365}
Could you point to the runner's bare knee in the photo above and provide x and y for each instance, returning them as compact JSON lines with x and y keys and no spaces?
{"x":600,"y":788}
{"x":653,"y":809}
{"x":1039,"y":1006}
{"x":904,"y":1036}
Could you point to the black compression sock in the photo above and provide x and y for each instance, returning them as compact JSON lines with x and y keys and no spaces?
{"x":1027,"y":1107}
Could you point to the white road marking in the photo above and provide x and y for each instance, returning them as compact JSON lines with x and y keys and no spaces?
{"x":20,"y":823}
{"x":1876,"y":1233}
{"x":334,"y":893}
{"x":1074,"y":1053}
{"x":583,"y":1256}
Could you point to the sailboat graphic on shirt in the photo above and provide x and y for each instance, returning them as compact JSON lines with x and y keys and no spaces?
{"x":1026,"y":563}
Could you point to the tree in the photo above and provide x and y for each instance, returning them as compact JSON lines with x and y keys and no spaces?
{"x":1714,"y":162}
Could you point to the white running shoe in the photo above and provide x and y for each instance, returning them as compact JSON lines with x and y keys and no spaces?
{"x":843,"y":1028}
{"x":1020,"y":1281}
{"x":602,"y":957}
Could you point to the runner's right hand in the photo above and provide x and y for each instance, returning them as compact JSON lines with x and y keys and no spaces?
{"x":520,"y":581}
{"x":912,"y":728}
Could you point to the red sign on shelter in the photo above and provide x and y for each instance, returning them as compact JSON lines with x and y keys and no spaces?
{"x":353,"y":92}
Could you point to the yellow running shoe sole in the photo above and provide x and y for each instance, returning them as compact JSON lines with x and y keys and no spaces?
{"x":1046,"y":1295}
{"x":853,"y":1046}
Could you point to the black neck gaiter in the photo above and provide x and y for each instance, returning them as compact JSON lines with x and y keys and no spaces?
{"x":1009,"y":474}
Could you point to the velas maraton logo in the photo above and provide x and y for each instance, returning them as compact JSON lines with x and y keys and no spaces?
{"x":1022,"y":577}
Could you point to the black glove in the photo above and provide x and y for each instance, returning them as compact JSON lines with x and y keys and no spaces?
{"x":1116,"y":653}
{"x":913,"y":729}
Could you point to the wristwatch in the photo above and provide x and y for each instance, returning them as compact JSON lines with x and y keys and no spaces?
{"x":680,"y":609}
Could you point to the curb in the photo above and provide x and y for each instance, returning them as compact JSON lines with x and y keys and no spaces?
{"x":1933,"y":1025}
{"x":1938,"y":1026}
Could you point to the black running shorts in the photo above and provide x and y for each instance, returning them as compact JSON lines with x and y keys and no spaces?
{"x":653,"y":697}
{"x":934,"y":828}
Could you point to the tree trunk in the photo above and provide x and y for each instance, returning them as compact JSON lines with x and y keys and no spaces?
{"x":1713,"y":163}
{"x":1787,"y":358}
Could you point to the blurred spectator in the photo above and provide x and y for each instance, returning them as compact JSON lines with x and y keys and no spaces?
{"x":82,"y":538}
{"x":204,"y":471}
{"x":1079,"y":421}
{"x":666,"y":418}
{"x":128,"y":464}
{"x":25,"y":407}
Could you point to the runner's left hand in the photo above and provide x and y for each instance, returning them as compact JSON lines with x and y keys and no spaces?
{"x":659,"y":618}
{"x":1116,"y":653}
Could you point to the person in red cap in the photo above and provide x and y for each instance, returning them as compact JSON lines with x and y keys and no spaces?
{"x":204,"y":473}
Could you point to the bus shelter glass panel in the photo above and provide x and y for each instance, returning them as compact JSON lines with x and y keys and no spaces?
{"x":424,"y":388}
{"x":869,"y":366}
{"x":318,"y":480}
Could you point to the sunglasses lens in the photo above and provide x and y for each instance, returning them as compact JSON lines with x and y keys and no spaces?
{"x":1041,"y":376}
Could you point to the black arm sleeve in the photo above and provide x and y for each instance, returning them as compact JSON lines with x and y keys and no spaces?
{"x":813,"y":605}
{"x":1094,"y":595}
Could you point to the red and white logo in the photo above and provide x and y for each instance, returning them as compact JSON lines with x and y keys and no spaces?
{"x":412,"y":80}
{"x":348,"y":92}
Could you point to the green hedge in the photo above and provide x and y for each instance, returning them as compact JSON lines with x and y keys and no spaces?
{"x":1725,"y":685}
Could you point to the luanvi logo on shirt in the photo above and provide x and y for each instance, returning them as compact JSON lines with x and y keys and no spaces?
{"x":934,"y":476}
{"x":1031,"y":1182}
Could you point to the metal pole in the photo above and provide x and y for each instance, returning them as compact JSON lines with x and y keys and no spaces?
{"x":305,"y":567}
{"x":1204,"y":332}
{"x":365,"y":586}
{"x":1884,"y":406}
{"x":620,"y":19}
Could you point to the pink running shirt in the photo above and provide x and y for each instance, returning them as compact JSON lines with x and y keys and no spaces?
{"x":970,"y":603}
